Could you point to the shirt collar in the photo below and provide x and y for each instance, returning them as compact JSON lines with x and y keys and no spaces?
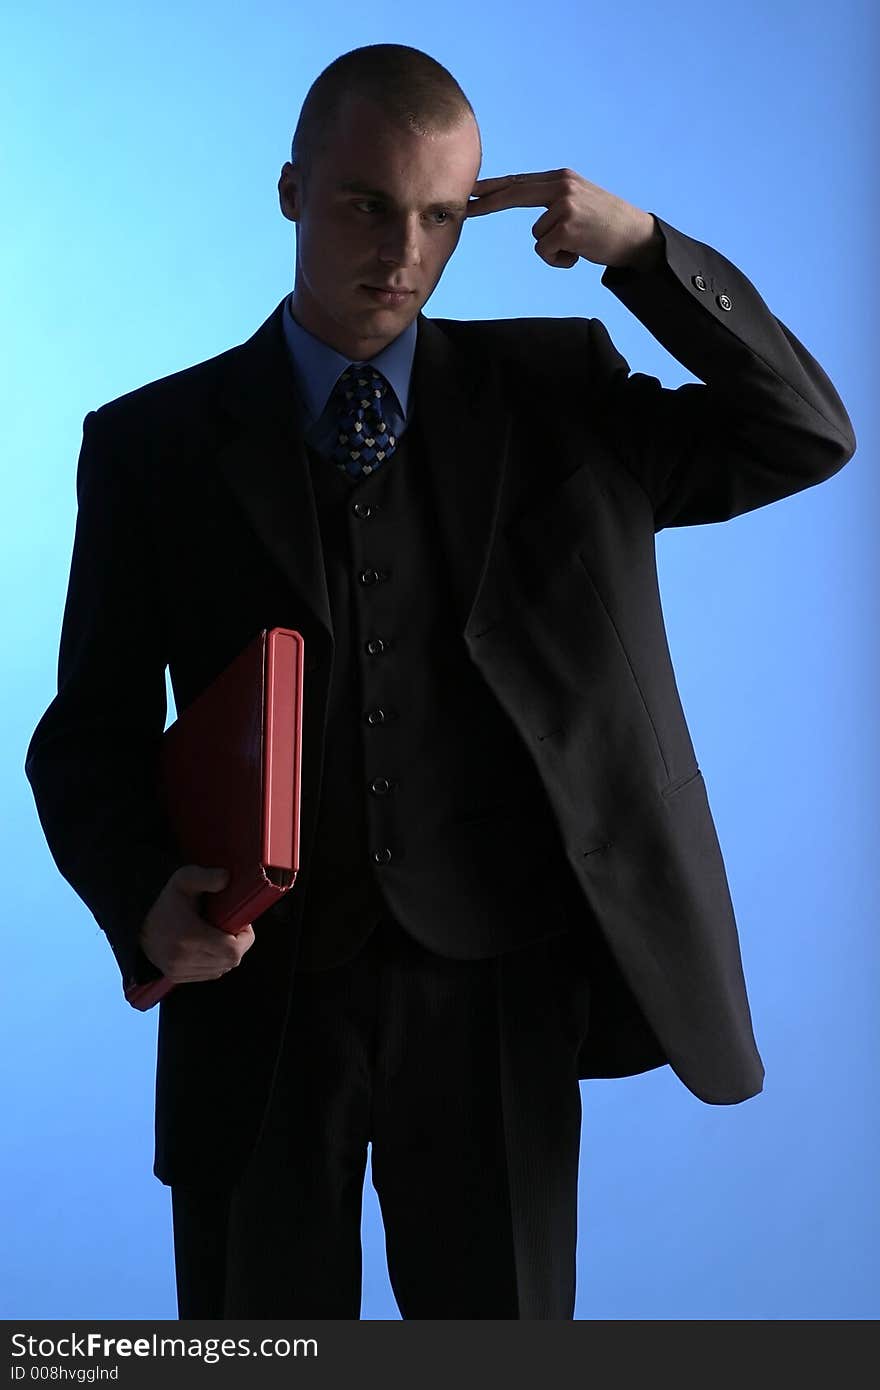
{"x":317,"y":366}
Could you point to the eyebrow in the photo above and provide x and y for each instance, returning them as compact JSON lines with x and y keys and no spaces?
{"x":356,"y":186}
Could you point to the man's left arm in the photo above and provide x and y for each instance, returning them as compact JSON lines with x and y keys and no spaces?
{"x":764,"y":421}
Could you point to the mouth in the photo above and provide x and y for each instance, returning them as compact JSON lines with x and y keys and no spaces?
{"x":389,"y":297}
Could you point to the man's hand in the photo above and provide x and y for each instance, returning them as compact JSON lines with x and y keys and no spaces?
{"x":180,"y":942}
{"x":581,"y":219}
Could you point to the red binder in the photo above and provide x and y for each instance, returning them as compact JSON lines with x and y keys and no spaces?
{"x":230,"y":768}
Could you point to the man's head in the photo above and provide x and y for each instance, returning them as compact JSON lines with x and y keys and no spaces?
{"x":384,"y":157}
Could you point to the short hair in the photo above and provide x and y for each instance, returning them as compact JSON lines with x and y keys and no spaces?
{"x":409,"y":86}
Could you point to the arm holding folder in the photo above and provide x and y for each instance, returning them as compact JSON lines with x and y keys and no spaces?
{"x":230,"y":779}
{"x":94,"y":758}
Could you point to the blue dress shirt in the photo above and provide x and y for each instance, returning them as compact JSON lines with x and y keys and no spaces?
{"x":317,"y":368}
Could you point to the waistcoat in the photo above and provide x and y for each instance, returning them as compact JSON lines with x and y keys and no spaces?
{"x":430,"y":809}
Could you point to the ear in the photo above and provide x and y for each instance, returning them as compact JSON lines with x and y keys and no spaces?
{"x":289,"y":195}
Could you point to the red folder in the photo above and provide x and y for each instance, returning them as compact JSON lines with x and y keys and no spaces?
{"x":230,"y":784}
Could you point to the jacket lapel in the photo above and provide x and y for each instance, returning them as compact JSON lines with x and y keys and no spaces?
{"x":461,"y":428}
{"x":460,"y":425}
{"x":265,"y":463}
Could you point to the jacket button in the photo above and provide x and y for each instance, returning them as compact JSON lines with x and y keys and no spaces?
{"x":380,"y":785}
{"x":382,"y":856}
{"x":699,"y":282}
{"x":376,"y":716}
{"x":723,"y":301}
{"x":375,"y":646}
{"x":364,"y":509}
{"x":369,"y":576}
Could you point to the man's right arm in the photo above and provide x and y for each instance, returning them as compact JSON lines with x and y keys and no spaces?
{"x":93,"y":757}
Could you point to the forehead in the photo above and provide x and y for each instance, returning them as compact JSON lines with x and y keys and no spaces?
{"x":366,"y":147}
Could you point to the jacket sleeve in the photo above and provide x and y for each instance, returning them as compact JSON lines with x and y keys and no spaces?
{"x":92,"y":758}
{"x":766,"y":421}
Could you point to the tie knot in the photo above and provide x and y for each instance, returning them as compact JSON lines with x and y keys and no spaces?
{"x":360,"y":384}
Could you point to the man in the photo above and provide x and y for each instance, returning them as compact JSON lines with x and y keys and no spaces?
{"x":510,"y":875}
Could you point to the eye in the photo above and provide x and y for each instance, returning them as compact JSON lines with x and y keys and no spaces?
{"x":369,"y":203}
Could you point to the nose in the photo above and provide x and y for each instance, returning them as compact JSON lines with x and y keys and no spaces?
{"x":401,"y":241}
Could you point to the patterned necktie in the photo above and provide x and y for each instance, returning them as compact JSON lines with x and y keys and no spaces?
{"x":363,"y":442}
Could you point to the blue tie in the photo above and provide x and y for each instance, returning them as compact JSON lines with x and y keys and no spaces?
{"x":363,"y":442}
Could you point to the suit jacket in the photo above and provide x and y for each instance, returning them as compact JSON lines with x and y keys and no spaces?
{"x":197,"y":526}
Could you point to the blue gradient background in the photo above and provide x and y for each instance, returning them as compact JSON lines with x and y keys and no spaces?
{"x":141,"y":234}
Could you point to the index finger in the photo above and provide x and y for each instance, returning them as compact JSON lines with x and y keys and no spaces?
{"x":522,"y":190}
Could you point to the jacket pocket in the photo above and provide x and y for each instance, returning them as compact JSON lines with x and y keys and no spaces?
{"x":680,"y":782}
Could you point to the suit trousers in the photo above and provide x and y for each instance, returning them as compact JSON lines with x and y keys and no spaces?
{"x":462,"y":1077}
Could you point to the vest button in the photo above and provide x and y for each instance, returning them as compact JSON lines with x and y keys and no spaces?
{"x":363,"y":509}
{"x":382,"y":856}
{"x":375,"y":646}
{"x":376,"y":716}
{"x":369,"y":576}
{"x":380,"y":785}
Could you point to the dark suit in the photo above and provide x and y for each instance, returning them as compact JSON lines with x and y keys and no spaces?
{"x":566,"y":467}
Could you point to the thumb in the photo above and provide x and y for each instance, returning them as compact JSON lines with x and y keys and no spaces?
{"x":193,"y":879}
